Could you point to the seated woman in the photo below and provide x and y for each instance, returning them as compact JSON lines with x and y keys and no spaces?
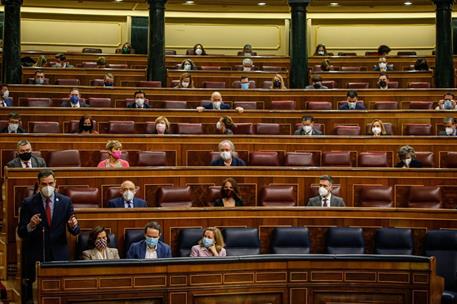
{"x":188,"y":65}
{"x":278,"y":82}
{"x":326,"y":66}
{"x":247,"y":51}
{"x":377,"y":128}
{"x":101,"y":62}
{"x":161,"y":126}
{"x":199,"y":49}
{"x":108,"y":80}
{"x":230,"y":194}
{"x":127,"y":49}
{"x":98,"y":246}
{"x":321,"y":50}
{"x":407,"y":156}
{"x":42,"y":61}
{"x":383,"y":66}
{"x":86,"y":125}
{"x":185,"y":81}
{"x":421,"y":65}
{"x":225,"y":125}
{"x":114,"y":160}
{"x":211,"y":244}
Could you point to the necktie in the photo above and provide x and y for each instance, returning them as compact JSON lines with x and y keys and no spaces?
{"x":27,"y":164}
{"x":326,"y":202}
{"x":48,"y":211}
{"x":130,"y":204}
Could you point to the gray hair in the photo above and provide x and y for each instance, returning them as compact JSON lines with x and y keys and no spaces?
{"x":247,"y":61}
{"x":230,"y":143}
{"x":449,"y":120}
{"x":405,"y":150}
{"x":23,"y":142}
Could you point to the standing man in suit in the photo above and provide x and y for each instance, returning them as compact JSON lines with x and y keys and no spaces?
{"x":325,"y":197}
{"x":74,"y":100}
{"x":128,"y":199}
{"x":44,"y":219}
{"x":307,"y":127}
{"x":24,"y":158}
{"x":151,"y":247}
{"x":14,"y":124}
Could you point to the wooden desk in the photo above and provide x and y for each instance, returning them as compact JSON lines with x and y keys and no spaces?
{"x":260,"y":279}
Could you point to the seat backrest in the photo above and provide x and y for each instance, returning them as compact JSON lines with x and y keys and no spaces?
{"x":331,"y":84}
{"x":421,"y":105}
{"x":97,"y":82}
{"x":190,"y":128}
{"x":406,"y":53}
{"x":36,"y":102}
{"x":82,"y":242}
{"x":283,"y":104}
{"x":263,"y":158}
{"x":426,"y":158}
{"x":394,"y":84}
{"x":152,"y":158}
{"x":132,"y":235}
{"x":451,"y":160}
{"x":262,"y":128}
{"x":213,"y":84}
{"x":442,"y":244}
{"x":344,"y":240}
{"x":149,"y":84}
{"x":64,"y":158}
{"x":373,"y":159}
{"x":92,"y":50}
{"x":187,"y":238}
{"x":247,"y":105}
{"x":425,"y":197}
{"x":319,"y":105}
{"x":271,"y":68}
{"x":336,"y":158}
{"x":45,"y":127}
{"x":267,"y":84}
{"x":67,"y":81}
{"x":386,"y":105}
{"x":358,"y":85}
{"x":100,"y":102}
{"x":89,"y":64}
{"x":117,"y":65}
{"x":397,"y":241}
{"x":300,"y":159}
{"x":241,"y":241}
{"x":417,"y":129}
{"x":170,"y":196}
{"x":277,"y":196}
{"x":419,"y":85}
{"x":244,"y":128}
{"x":349,"y":130}
{"x":350,"y":68}
{"x":175,"y":104}
{"x":290,"y":240}
{"x":83,"y":197}
{"x":214,"y":193}
{"x":121,"y":127}
{"x":375,"y":196}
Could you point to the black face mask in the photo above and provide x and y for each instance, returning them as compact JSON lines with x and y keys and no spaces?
{"x":25,"y":156}
{"x":277,"y":84}
{"x":317,"y":85}
{"x":228,"y":193}
{"x":87,"y":128}
{"x":382,"y":83}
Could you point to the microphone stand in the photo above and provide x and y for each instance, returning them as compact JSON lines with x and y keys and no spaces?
{"x":43,"y":230}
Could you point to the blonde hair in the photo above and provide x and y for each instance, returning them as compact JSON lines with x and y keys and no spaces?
{"x":383,"y":129}
{"x":165,"y":120}
{"x":283,"y":85}
{"x":218,"y":238}
{"x":113,"y":144}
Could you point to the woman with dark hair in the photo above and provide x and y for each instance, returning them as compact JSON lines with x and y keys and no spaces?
{"x":407,"y":156}
{"x":86,"y":125}
{"x":321,"y":50}
{"x":199,"y":49}
{"x":225,"y":125}
{"x":230,"y":194}
{"x":98,"y":246}
{"x":188,"y":65}
{"x":211,"y":244}
{"x":421,"y":65}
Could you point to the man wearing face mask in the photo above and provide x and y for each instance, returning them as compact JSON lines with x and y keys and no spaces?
{"x":447,"y":103}
{"x":14,"y":124}
{"x":228,"y":157}
{"x":44,"y":221}
{"x":139,"y":102}
{"x":450,"y":127}
{"x":352,"y":102}
{"x":325,"y":197}
{"x":24,"y":158}
{"x":5,"y":100}
{"x":316,"y":83}
{"x":39,"y":78}
{"x":74,"y":100}
{"x":127,"y":199}
{"x":248,"y":65}
{"x":151,"y":247}
{"x":244,"y":82}
{"x":407,"y":156}
{"x":307,"y":127}
{"x":383,"y":82}
{"x":217,"y":104}
{"x":383,"y":66}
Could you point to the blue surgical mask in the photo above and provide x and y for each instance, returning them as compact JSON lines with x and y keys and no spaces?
{"x":448,"y":104}
{"x":74,"y":99}
{"x":152,"y":242}
{"x":207,"y":242}
{"x":245,"y":85}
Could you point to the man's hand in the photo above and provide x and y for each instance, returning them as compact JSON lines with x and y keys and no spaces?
{"x":200,"y":109}
{"x":72,"y":222}
{"x":35,"y":221}
{"x":239,"y":109}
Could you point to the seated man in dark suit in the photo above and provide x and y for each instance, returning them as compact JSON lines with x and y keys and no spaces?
{"x":228,"y":156}
{"x":352,"y":103}
{"x":24,"y":158}
{"x":74,"y":100}
{"x":217,"y":104}
{"x":14,"y":124}
{"x":151,"y":247}
{"x":316,"y":83}
{"x":39,"y":78}
{"x":139,"y":102}
{"x":325,"y":197}
{"x":128,"y":199}
{"x":307,"y":127}
{"x":5,"y":99}
{"x":450,"y":127}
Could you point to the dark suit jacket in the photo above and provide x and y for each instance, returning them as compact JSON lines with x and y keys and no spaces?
{"x":220,"y":203}
{"x":236,"y":162}
{"x":67,"y":104}
{"x":119,"y":203}
{"x":335,"y":201}
{"x":138,"y":250}
{"x":19,"y":130}
{"x":9,"y":102}
{"x":209,"y":106}
{"x":311,"y":87}
{"x":413,"y":164}
{"x":443,"y":133}
{"x":37,"y":162}
{"x":358,"y":106}
{"x":134,"y":106}
{"x":302,"y":132}
{"x":55,"y":236}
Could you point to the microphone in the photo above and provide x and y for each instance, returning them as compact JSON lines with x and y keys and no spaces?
{"x":43,"y":230}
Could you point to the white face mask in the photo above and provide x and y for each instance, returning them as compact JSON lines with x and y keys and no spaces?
{"x":449,"y":130}
{"x":39,"y":81}
{"x":128,"y":195}
{"x":323,"y":191}
{"x":308,"y":129}
{"x":6,"y":94}
{"x":217,"y":105}
{"x":139,"y":101}
{"x":198,"y":52}
{"x":407,"y":161}
{"x":187,"y":67}
{"x":185,"y":84}
{"x":13,"y":127}
{"x":246,"y":69}
{"x":47,"y":191}
{"x":219,"y":125}
{"x":382,"y":66}
{"x":376,"y":130}
{"x":321,"y":53}
{"x":226,"y":155}
{"x":161,"y":127}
